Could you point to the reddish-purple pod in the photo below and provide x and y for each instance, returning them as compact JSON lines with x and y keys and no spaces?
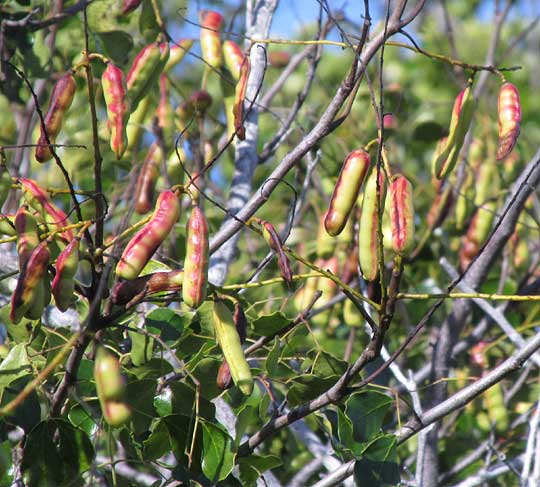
{"x":224,"y":378}
{"x":210,"y":38}
{"x":63,"y":284}
{"x":129,"y":6}
{"x":61,"y":98}
{"x":146,"y":182}
{"x":196,"y":260}
{"x":146,"y":241}
{"x":240,"y":95}
{"x":123,"y":292}
{"x":401,"y":214}
{"x":274,"y":242}
{"x":350,"y":180}
{"x":509,"y":119}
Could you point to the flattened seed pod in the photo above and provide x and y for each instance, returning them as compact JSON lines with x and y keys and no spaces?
{"x":124,"y":292}
{"x":240,"y":95}
{"x":27,"y":232}
{"x":350,"y":180}
{"x":509,"y":119}
{"x":177,"y":52}
{"x":116,"y":100}
{"x":401,"y":214}
{"x":224,"y":378}
{"x":229,"y":342}
{"x":274,"y":242}
{"x":196,"y":260}
{"x":145,"y":242}
{"x":61,"y":98}
{"x":210,"y":38}
{"x":234,"y":57}
{"x":368,"y":249}
{"x":63,"y":284}
{"x":110,"y":382}
{"x":146,"y":182}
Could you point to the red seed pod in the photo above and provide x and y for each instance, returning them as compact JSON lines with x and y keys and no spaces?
{"x":123,"y":292}
{"x":61,"y":99}
{"x":279,"y":59}
{"x":146,"y":182}
{"x":350,"y":180}
{"x":234,"y":57}
{"x":210,"y":38}
{"x":401,"y":214}
{"x":240,"y":321}
{"x":145,"y":70}
{"x":63,"y":284}
{"x":274,"y":242}
{"x":129,"y":6}
{"x":146,"y":241}
{"x":440,"y":207}
{"x":240,"y":95}
{"x":224,"y":379}
{"x":30,"y":279}
{"x":115,"y":93}
{"x":196,"y":260}
{"x":27,"y":232}
{"x":509,"y":119}
{"x":177,"y":52}
{"x":37,"y":198}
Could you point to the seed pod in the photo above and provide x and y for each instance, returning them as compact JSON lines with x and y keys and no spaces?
{"x":463,"y":200}
{"x":224,"y":379}
{"x":462,"y":114}
{"x":350,"y":180}
{"x":124,"y":292}
{"x":240,"y":95}
{"x":116,"y":100}
{"x":116,"y":413}
{"x":145,"y":70}
{"x":487,"y":182}
{"x":145,"y":242}
{"x":146,"y":182}
{"x":5,"y":182}
{"x":274,"y":242}
{"x":401,"y":214}
{"x":135,"y":124}
{"x":196,"y":260}
{"x":201,"y":101}
{"x":509,"y":119}
{"x":129,"y":6}
{"x":477,"y":233}
{"x":351,"y":316}
{"x":234,"y":57}
{"x":175,"y":172}
{"x":63,"y":284}
{"x":29,"y":280}
{"x":37,"y":198}
{"x":177,"y":52}
{"x":28,"y":237}
{"x":184,"y":116}
{"x":440,"y":207}
{"x":210,"y":38}
{"x":279,"y":59}
{"x":165,"y":113}
{"x":229,"y":342}
{"x":61,"y":99}
{"x":368,"y":248}
{"x":110,"y":383}
{"x":325,"y":243}
{"x":328,"y":289}
{"x":229,"y":97}
{"x":240,"y":321}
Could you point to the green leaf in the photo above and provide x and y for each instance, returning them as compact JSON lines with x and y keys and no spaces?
{"x":253,"y":466}
{"x":326,"y":364}
{"x":271,"y":363}
{"x":183,"y":401}
{"x":206,"y":373}
{"x":28,"y":413}
{"x":180,"y":430}
{"x":116,"y":45}
{"x":14,"y":366}
{"x":148,"y":25}
{"x":378,"y":466}
{"x":153,"y":369}
{"x":305,"y":387}
{"x":168,"y":324}
{"x":218,"y":458}
{"x":158,"y":443}
{"x":367,"y":409}
{"x":142,"y":347}
{"x":266,"y":325}
{"x":50,"y":462}
{"x":102,"y":15}
{"x":79,"y":417}
{"x":140,"y":396}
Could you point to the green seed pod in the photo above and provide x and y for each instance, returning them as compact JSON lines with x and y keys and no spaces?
{"x":110,"y":383}
{"x":177,"y":52}
{"x":459,"y":125}
{"x":326,"y":244}
{"x":509,"y":119}
{"x":29,"y":281}
{"x":145,"y":70}
{"x":487,"y":182}
{"x":401,"y":215}
{"x":328,"y":289}
{"x":464,"y":200}
{"x":61,"y":98}
{"x":196,"y":260}
{"x":124,"y":292}
{"x":351,"y":316}
{"x":116,"y":100}
{"x":116,"y":413}
{"x":37,"y":198}
{"x":350,"y":180}
{"x":368,"y":248}
{"x":63,"y":284}
{"x":234,"y":57}
{"x":229,"y":342}
{"x":229,"y":97}
{"x":146,"y":241}
{"x":477,"y":233}
{"x":135,"y":126}
{"x":165,"y":113}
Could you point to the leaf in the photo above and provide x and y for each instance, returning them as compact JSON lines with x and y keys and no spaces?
{"x":273,"y":358}
{"x":266,"y":325}
{"x":252,"y":467}
{"x":27,"y":414}
{"x":378,"y":466}
{"x":14,"y":366}
{"x":49,"y":462}
{"x":153,"y":369}
{"x":168,"y":324}
{"x":326,"y":364}
{"x":183,"y":399}
{"x":206,"y":373}
{"x":116,"y":45}
{"x":367,"y":409}
{"x":148,"y":25}
{"x":305,"y":387}
{"x":141,"y":348}
{"x":218,"y":458}
{"x":140,"y":396}
{"x":102,"y":15}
